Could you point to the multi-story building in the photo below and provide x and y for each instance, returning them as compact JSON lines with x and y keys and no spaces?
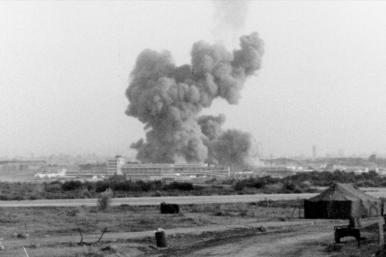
{"x":155,"y":171}
{"x":114,"y":166}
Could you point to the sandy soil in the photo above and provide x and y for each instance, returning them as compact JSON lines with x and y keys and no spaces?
{"x":227,"y":230}
{"x":297,"y":241}
{"x":281,"y":244}
{"x":301,"y":240}
{"x":232,"y":240}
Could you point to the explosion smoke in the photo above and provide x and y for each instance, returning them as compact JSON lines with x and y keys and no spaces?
{"x":211,"y":125}
{"x":231,"y":147}
{"x":168,"y":99}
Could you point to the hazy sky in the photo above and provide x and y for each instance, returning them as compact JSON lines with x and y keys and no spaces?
{"x":64,"y":69}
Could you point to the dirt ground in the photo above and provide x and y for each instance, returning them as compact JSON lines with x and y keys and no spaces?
{"x":296,"y":241}
{"x":203,"y":230}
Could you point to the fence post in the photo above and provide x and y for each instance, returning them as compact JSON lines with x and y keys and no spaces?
{"x":380,"y":231}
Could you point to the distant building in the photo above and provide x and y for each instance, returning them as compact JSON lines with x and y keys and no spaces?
{"x":87,"y":171}
{"x":156,"y":171}
{"x":54,"y":174}
{"x":114,"y":166}
{"x":21,"y":165}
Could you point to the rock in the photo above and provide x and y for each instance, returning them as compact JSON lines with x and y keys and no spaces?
{"x":262,"y":229}
{"x":22,"y":235}
{"x":34,"y":246}
{"x":110,"y":248}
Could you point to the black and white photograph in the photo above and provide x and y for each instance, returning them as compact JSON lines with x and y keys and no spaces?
{"x":197,"y":128}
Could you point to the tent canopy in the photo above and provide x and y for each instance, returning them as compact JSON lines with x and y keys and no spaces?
{"x":343,"y":192}
{"x":342,"y":201}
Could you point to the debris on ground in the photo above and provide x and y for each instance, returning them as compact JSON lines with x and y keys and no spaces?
{"x":261,"y":229}
{"x":110,"y":248}
{"x":21,"y":235}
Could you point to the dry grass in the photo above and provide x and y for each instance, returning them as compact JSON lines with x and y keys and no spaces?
{"x":75,"y":251}
{"x":57,"y":221}
{"x":48,"y":221}
{"x":259,"y":213}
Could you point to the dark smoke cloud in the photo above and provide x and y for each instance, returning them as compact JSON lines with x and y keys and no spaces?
{"x":211,"y":125}
{"x":233,"y":148}
{"x":168,"y":99}
{"x":230,"y":147}
{"x":211,"y":128}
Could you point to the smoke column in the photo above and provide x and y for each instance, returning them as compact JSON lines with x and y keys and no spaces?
{"x":211,"y":128}
{"x":231,"y":147}
{"x":167,"y":98}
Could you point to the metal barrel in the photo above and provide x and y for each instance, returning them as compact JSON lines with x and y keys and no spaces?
{"x":160,"y":238}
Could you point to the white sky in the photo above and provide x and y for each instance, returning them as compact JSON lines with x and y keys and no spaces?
{"x":64,"y":68}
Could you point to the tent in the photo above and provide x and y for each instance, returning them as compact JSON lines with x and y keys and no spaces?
{"x":342,"y":201}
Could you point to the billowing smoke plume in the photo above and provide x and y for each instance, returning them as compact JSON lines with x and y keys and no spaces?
{"x":211,"y":125}
{"x":230,"y":147}
{"x":233,"y":148}
{"x":168,"y":99}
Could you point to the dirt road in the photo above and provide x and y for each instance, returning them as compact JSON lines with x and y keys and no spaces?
{"x":147,"y":201}
{"x":235,"y":246}
{"x":170,"y":232}
{"x":290,"y":244}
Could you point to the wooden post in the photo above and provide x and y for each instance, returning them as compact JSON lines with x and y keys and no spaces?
{"x":299,"y":206}
{"x":26,"y":253}
{"x":380,"y":235}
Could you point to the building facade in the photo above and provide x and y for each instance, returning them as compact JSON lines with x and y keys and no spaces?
{"x":114,"y":166}
{"x":157,"y":171}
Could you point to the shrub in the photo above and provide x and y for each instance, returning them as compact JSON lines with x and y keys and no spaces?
{"x":239,"y":185}
{"x":53,"y":187}
{"x":72,"y":212}
{"x":124,"y":185}
{"x":183,"y":186}
{"x":89,"y":186}
{"x":257,"y":183}
{"x":273,"y":188}
{"x":333,"y":248}
{"x":101,"y":186}
{"x":144,"y":186}
{"x":104,"y":199}
{"x":72,"y":185}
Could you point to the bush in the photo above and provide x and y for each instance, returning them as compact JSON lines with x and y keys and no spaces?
{"x":333,"y":248}
{"x":71,"y":185}
{"x":53,"y":187}
{"x":101,"y":186}
{"x":124,"y":185}
{"x":72,"y":212}
{"x":89,"y":186}
{"x":257,"y":183}
{"x":144,"y":186}
{"x":183,"y":186}
{"x":239,"y":185}
{"x":104,"y":199}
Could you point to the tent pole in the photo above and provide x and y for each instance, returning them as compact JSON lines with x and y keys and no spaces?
{"x":380,"y":230}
